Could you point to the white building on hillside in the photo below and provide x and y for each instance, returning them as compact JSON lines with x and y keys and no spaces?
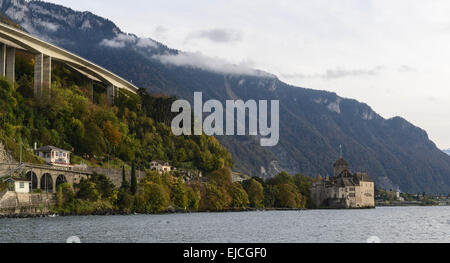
{"x":161,"y":166}
{"x":54,"y":156}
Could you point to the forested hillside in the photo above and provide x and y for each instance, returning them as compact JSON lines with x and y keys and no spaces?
{"x":132,"y":130}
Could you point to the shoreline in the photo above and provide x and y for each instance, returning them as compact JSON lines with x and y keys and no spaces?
{"x":168,"y":212}
{"x":164,"y":213}
{"x":176,"y":212}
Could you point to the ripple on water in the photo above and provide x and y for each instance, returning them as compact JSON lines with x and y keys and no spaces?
{"x":389,"y":224}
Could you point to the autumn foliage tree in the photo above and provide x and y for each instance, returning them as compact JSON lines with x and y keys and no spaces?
{"x":112,"y":133}
{"x":255,"y":193}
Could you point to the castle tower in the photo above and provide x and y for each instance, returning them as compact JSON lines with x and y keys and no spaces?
{"x":340,"y":165}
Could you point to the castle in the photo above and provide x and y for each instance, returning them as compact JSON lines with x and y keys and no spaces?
{"x":344,"y":189}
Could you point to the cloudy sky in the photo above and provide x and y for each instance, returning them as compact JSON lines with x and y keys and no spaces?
{"x":392,"y":55}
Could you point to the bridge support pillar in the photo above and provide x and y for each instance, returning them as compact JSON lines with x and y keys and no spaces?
{"x":90,"y":87}
{"x":2,"y":60}
{"x":111,"y":93}
{"x":47,"y":76}
{"x":38,"y":75}
{"x":10,"y":64}
{"x":54,"y":178}
{"x":42,"y":75}
{"x":38,"y":176}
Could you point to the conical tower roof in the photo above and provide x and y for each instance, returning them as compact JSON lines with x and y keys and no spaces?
{"x":340,"y":162}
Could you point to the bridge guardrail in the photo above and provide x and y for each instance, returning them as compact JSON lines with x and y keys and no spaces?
{"x":42,"y":166}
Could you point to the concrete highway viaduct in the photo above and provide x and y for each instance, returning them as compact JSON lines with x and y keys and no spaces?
{"x":46,"y":177}
{"x":12,"y":39}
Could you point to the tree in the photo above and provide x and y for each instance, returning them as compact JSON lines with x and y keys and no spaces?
{"x":221,"y":177}
{"x":304,"y":185}
{"x":124,"y":200}
{"x":94,"y":143}
{"x":288,"y":196}
{"x":124,"y":184}
{"x":87,"y":190}
{"x":281,"y":178}
{"x":239,"y":196}
{"x":219,"y":163}
{"x":103,"y":184}
{"x":65,"y":198}
{"x":140,"y":204}
{"x":155,"y":198}
{"x":95,"y":187}
{"x":255,"y":193}
{"x":111,"y":133}
{"x":270,"y":194}
{"x":193,"y":198}
{"x":213,"y":197}
{"x":133,"y":187}
{"x":179,"y":194}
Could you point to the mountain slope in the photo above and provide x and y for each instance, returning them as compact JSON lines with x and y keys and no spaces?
{"x":312,"y":123}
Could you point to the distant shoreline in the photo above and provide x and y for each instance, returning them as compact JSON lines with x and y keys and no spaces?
{"x":410,"y":203}
{"x":401,"y":205}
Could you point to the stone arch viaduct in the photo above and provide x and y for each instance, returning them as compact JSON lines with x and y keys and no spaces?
{"x":44,"y":177}
{"x":12,"y":39}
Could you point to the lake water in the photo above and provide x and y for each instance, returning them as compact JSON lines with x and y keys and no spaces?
{"x":389,"y":224}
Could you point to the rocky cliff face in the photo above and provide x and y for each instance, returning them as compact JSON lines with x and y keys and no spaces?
{"x":313,"y":123}
{"x":5,"y":157}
